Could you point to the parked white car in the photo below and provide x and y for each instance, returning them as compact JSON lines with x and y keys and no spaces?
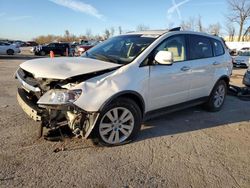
{"x":113,"y":87}
{"x":242,"y":59}
{"x":8,"y":49}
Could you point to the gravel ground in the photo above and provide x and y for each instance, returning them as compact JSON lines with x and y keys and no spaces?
{"x":190,"y":148}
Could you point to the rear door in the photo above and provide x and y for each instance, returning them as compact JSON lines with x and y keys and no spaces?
{"x":202,"y":62}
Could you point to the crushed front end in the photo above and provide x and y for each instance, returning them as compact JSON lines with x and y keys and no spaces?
{"x":50,"y":101}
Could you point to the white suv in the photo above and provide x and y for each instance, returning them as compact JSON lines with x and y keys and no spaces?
{"x":113,"y":87}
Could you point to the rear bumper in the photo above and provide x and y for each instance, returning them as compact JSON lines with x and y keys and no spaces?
{"x":28,"y":106}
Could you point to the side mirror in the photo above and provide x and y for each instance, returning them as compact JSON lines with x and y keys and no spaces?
{"x":164,"y":58}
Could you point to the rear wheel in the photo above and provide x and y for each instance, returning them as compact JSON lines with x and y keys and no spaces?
{"x":118,"y":123}
{"x":217,"y":97}
{"x":10,"y":52}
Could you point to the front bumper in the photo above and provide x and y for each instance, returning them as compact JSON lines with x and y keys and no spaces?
{"x":28,"y":106}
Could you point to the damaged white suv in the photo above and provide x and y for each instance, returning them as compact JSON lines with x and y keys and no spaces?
{"x":113,"y":87}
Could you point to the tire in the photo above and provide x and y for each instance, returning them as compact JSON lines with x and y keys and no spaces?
{"x":42,"y":53}
{"x":217,"y":97}
{"x":118,"y":123}
{"x":10,"y":52}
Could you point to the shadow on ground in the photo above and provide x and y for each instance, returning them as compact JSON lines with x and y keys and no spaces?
{"x":193,"y":119}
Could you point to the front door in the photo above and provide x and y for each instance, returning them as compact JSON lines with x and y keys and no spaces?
{"x":169,"y":85}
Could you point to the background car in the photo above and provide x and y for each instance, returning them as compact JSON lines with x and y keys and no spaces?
{"x":31,"y":43}
{"x":84,"y":46}
{"x":57,"y":48}
{"x":246,"y":79}
{"x":8,"y":49}
{"x":19,"y":43}
{"x":245,"y":49}
{"x":242,"y":59}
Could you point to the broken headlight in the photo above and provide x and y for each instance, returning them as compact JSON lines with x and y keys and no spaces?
{"x":59,"y":97}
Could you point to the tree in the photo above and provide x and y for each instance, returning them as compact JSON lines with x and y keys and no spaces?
{"x":142,"y":27}
{"x":120,"y":30}
{"x":214,"y":29}
{"x":199,"y":24}
{"x":107,"y":34}
{"x":88,"y":34}
{"x":240,"y":13}
{"x":188,"y":25}
{"x":231,"y":31}
{"x":67,"y":35}
{"x":246,"y":34}
{"x":112,"y":31}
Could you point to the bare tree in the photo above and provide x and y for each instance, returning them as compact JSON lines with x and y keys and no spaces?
{"x":112,"y":31}
{"x":88,"y":34}
{"x":188,"y":25}
{"x":120,"y":30}
{"x":67,"y":35}
{"x":142,"y":27}
{"x":246,"y":35}
{"x":240,"y":13}
{"x":107,"y":34}
{"x":199,"y":24}
{"x":230,"y":30}
{"x":214,"y":29}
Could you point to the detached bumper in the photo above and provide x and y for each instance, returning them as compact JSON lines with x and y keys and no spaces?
{"x":28,"y":106}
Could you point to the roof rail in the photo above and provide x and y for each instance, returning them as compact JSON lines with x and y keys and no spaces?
{"x":175,"y":29}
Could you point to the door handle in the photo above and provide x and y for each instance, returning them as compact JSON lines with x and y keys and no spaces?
{"x":185,"y":68}
{"x":216,"y":63}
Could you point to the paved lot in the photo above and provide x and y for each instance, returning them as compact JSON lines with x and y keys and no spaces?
{"x":190,"y":148}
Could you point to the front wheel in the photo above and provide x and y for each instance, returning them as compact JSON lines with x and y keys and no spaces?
{"x":118,"y":123}
{"x":217,"y":97}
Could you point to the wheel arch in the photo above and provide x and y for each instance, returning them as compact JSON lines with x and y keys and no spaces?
{"x":225,"y":78}
{"x":135,"y":96}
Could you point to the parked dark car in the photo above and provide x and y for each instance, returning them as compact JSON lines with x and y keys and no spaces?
{"x":246,"y":79}
{"x":31,"y":43}
{"x":57,"y":48}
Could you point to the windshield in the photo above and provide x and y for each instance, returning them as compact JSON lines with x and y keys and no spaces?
{"x":247,"y":53}
{"x":121,"y":50}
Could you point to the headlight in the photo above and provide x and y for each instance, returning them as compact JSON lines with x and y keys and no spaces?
{"x":59,"y":97}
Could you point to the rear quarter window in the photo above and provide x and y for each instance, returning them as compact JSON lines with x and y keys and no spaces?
{"x":199,"y":47}
{"x":217,"y":47}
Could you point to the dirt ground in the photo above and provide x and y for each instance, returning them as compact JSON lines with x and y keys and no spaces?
{"x":190,"y":148}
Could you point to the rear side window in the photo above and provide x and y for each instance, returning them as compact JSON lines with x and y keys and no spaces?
{"x":199,"y":47}
{"x":218,"y":48}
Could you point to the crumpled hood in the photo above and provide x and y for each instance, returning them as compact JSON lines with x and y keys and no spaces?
{"x":64,"y":67}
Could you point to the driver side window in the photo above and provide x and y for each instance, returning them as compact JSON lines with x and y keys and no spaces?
{"x":176,"y":45}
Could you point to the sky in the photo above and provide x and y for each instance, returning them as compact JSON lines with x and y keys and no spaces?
{"x":26,"y":19}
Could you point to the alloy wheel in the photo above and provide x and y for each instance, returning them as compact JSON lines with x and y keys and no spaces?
{"x":116,"y":125}
{"x":219,"y":96}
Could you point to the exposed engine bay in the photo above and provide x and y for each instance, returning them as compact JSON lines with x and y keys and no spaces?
{"x":30,"y":97}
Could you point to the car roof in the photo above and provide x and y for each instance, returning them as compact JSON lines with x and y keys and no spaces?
{"x":148,"y":32}
{"x":162,"y":32}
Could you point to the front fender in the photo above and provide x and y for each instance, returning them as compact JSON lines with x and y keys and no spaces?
{"x":99,"y":90}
